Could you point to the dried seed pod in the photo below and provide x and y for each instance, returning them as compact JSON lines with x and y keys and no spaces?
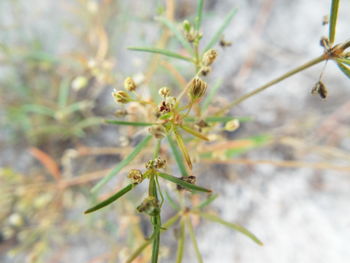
{"x":324,"y":42}
{"x":325,"y":20}
{"x":135,"y":176}
{"x":158,"y":131}
{"x":121,"y":96}
{"x":149,"y":206}
{"x":188,"y":179}
{"x":164,"y":92}
{"x":205,"y":70}
{"x":149,"y":164}
{"x":197,"y":88}
{"x":209,"y":57}
{"x":223,"y":43}
{"x":159,"y":163}
{"x":129,"y":84}
{"x":232,"y":125}
{"x":320,"y":89}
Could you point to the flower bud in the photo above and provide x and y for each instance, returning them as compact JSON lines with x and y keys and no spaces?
{"x":321,"y":89}
{"x":232,"y":125}
{"x":205,"y":70}
{"x":188,"y":179}
{"x":209,"y":57}
{"x":135,"y":176}
{"x":158,"y":131}
{"x":164,"y":92}
{"x":121,"y":96}
{"x":186,"y":26}
{"x":197,"y":88}
{"x":129,"y":84}
{"x":149,"y":206}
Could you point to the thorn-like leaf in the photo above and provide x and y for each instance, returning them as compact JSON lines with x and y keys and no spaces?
{"x":110,"y":199}
{"x":191,"y":187}
{"x":161,"y":51}
{"x":333,"y":20}
{"x":142,"y":144}
{"x":345,"y":69}
{"x":221,"y":29}
{"x":177,"y":33}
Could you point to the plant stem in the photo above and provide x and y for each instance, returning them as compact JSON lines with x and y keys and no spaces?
{"x":194,"y":240}
{"x":181,"y":242}
{"x":272,"y":82}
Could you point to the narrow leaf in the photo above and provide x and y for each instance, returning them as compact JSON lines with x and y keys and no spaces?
{"x":344,"y":60}
{"x":333,"y":20}
{"x":236,"y":227}
{"x":191,"y":187}
{"x":171,"y":201}
{"x":110,"y":199}
{"x":194,"y":132}
{"x":38,"y":109}
{"x":194,"y":239}
{"x":198,"y":21}
{"x":221,"y":29}
{"x":161,"y":51}
{"x":177,"y":33}
{"x":142,"y":144}
{"x":345,"y":69}
{"x":130,"y":123}
{"x":63,"y":93}
{"x":207,"y":202}
{"x":183,"y":148}
{"x":181,"y":243}
{"x":177,"y":155}
{"x":211,"y":94}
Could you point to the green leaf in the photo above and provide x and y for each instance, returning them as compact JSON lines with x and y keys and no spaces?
{"x":344,"y":60}
{"x":161,"y":51}
{"x":198,"y":21}
{"x":63,"y":93}
{"x":221,"y":29}
{"x":181,"y":243}
{"x":207,"y":202}
{"x":194,"y":132}
{"x":345,"y":69}
{"x":142,"y":144}
{"x":333,"y":20}
{"x":171,"y":201}
{"x":131,"y":123}
{"x":178,"y":156}
{"x":236,"y":227}
{"x":211,"y":94}
{"x":110,"y":199}
{"x":38,"y":109}
{"x":191,"y":187}
{"x":194,"y":240}
{"x":183,"y":148}
{"x":177,"y":33}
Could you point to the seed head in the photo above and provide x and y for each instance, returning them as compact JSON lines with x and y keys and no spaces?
{"x":209,"y":57}
{"x":164,"y":92}
{"x":197,"y":88}
{"x":158,"y":131}
{"x":188,"y":179}
{"x":135,"y":176}
{"x":159,"y":163}
{"x":129,"y":84}
{"x":121,"y":96}
{"x":120,"y":113}
{"x":232,"y":125}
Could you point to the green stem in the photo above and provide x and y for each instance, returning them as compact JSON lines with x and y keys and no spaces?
{"x":272,"y":82}
{"x":181,"y":243}
{"x":194,"y":239}
{"x":156,"y":221}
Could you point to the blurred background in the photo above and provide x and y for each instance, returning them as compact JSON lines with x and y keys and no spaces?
{"x":59,"y":62}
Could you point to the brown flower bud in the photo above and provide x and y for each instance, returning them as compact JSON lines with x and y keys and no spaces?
{"x":159,"y":163}
{"x":205,"y":70}
{"x":197,"y":88}
{"x":188,"y":179}
{"x":129,"y":84}
{"x":135,"y":176}
{"x":149,"y":206}
{"x":121,"y":113}
{"x":158,"y":131}
{"x":121,"y":96}
{"x":209,"y":57}
{"x":321,"y":89}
